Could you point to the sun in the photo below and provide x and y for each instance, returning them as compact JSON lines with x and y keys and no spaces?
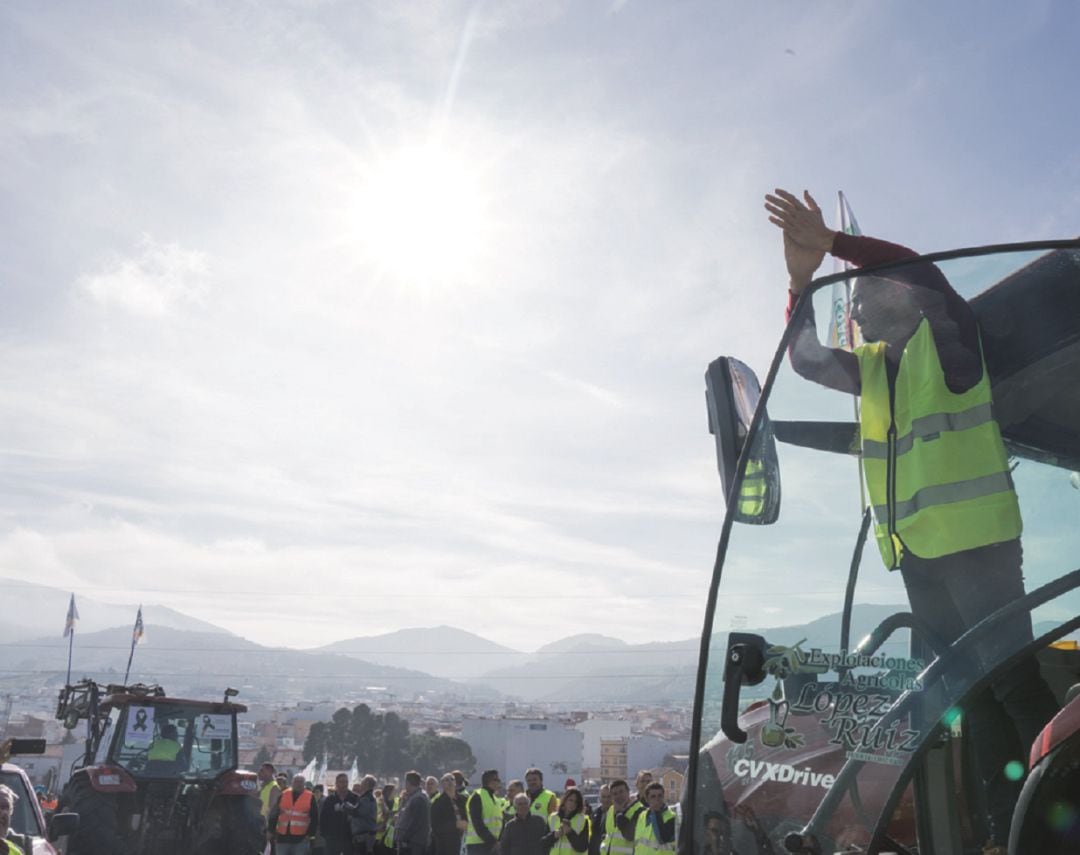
{"x":421,"y":216}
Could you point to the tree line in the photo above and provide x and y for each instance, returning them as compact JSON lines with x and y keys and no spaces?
{"x":381,"y":744}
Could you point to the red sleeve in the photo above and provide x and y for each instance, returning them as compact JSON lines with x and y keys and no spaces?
{"x":862,"y":251}
{"x":792,"y":299}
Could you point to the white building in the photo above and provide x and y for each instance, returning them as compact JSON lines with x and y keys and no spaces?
{"x":645,"y":751}
{"x":513,"y":745}
{"x":592,"y":731}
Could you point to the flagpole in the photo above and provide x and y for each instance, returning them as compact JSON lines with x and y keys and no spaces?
{"x":69,"y":631}
{"x":71,"y":645}
{"x":131,"y":656}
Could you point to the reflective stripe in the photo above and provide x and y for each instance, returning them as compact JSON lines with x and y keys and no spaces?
{"x":944,"y":494}
{"x":295,"y":813}
{"x":949,"y":492}
{"x":927,"y":428}
{"x":752,"y":490}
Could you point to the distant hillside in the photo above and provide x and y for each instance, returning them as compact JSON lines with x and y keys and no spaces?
{"x":34,"y":610}
{"x":442,"y":651}
{"x":590,"y":668}
{"x":202,"y":664}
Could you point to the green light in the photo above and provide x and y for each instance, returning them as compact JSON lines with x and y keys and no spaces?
{"x":1061,"y":817}
{"x":951,"y":716}
{"x":1014,"y":770}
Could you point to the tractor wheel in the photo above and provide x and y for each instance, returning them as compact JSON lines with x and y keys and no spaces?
{"x":98,"y":828}
{"x":241,"y":827}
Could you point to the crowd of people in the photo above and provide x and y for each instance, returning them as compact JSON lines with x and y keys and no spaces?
{"x":442,"y":816}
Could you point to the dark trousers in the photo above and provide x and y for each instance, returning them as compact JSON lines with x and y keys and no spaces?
{"x":952,"y":594}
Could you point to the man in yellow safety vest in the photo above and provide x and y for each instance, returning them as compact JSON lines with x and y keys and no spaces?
{"x":945,"y":510}
{"x":485,"y":815}
{"x":620,"y":821}
{"x":655,"y":831}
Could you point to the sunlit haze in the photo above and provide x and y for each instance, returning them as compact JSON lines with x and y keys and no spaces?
{"x":329,"y":319}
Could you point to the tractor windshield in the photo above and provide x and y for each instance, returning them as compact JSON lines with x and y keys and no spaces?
{"x":170,"y":740}
{"x":900,"y":554}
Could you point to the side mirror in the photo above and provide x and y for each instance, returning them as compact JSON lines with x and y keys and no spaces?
{"x":732,"y":393}
{"x":63,"y":825}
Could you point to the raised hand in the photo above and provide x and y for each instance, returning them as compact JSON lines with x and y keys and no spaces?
{"x":806,"y":237}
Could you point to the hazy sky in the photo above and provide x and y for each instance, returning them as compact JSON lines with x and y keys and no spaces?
{"x":323,"y":319}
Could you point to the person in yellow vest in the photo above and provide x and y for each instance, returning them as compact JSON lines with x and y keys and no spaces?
{"x":295,"y":819}
{"x":945,"y":510}
{"x":620,"y":821}
{"x":569,"y":826}
{"x":655,"y":831}
{"x":388,"y":805}
{"x":485,"y":816}
{"x":166,"y":748}
{"x":544,"y":802}
{"x":8,"y":798}
{"x":269,"y":791}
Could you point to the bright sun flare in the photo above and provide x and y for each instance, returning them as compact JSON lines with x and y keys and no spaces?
{"x":422,"y":217}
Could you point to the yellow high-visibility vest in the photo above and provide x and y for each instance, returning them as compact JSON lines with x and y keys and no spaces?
{"x":542,"y":804}
{"x":936,"y":468}
{"x":614,"y":842}
{"x":578,"y":822}
{"x":265,"y":795}
{"x":645,"y":840}
{"x":491,"y":813}
{"x":752,"y":490}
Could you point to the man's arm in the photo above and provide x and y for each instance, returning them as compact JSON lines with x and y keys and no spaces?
{"x":313,"y":814}
{"x":579,"y":840}
{"x":806,"y":241}
{"x":627,"y":825}
{"x":407,"y":818}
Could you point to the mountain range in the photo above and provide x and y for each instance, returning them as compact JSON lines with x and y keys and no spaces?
{"x":189,"y":655}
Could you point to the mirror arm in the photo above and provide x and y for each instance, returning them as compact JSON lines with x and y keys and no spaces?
{"x":743,"y":665}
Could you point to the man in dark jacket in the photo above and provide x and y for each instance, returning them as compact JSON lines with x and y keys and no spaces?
{"x":365,"y":818}
{"x":413,"y":828}
{"x":448,"y":822}
{"x":597,"y":820}
{"x":524,"y":834}
{"x":337,"y":808}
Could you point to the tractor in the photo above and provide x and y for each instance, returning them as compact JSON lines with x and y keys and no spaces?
{"x":159,"y":774}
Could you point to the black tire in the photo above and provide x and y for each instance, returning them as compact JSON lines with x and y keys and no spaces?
{"x":241,"y":826}
{"x":98,"y":827}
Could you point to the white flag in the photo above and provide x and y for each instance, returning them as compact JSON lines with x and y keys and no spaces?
{"x":842,"y":332}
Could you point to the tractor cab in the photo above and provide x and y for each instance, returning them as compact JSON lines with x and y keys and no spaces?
{"x":157,"y":737}
{"x":831,"y":713}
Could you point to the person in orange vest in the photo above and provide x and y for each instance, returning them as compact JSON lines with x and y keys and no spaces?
{"x":294,"y":821}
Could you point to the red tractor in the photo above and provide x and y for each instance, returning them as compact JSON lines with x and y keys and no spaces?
{"x":159,"y":774}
